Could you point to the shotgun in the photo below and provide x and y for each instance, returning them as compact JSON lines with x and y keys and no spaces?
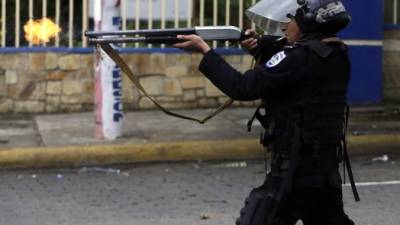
{"x":166,"y":36}
{"x":104,"y":39}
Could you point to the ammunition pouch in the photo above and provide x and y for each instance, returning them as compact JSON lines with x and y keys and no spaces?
{"x":267,"y":123}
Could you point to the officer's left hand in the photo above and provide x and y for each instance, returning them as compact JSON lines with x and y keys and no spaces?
{"x":251,"y":41}
{"x":192,"y":43}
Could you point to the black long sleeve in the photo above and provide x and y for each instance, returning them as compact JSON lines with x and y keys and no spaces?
{"x":283,"y":71}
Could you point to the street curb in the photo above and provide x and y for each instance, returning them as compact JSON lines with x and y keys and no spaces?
{"x":239,"y":149}
{"x":374,"y":144}
{"x":73,"y":156}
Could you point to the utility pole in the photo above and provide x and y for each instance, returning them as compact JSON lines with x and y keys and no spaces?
{"x":108,"y":86}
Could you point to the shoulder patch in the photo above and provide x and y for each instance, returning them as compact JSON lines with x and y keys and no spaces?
{"x":276,"y":59}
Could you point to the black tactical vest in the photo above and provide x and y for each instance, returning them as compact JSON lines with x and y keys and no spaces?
{"x":317,"y":106}
{"x":324,"y":110}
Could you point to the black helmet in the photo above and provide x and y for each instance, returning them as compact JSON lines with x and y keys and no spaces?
{"x":321,"y":16}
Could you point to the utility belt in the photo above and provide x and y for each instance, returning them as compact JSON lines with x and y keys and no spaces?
{"x":278,"y":132}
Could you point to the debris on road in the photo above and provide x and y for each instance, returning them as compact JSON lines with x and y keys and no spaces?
{"x":232,"y":165}
{"x":383,"y":158}
{"x":2,"y":141}
{"x":100,"y":170}
{"x":204,"y":216}
{"x":196,"y":166}
{"x":359,"y":133}
{"x":125,"y":174}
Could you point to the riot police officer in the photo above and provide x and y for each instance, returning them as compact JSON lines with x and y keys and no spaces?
{"x":303,"y":81}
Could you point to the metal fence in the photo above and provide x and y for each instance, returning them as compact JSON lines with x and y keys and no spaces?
{"x":396,"y":11}
{"x":73,"y":16}
{"x":392,"y":12}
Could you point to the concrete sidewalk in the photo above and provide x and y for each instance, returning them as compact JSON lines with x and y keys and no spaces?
{"x":64,"y":140}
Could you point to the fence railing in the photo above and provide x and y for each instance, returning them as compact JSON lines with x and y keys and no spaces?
{"x":75,"y":16}
{"x":392,"y":12}
{"x":396,"y":11}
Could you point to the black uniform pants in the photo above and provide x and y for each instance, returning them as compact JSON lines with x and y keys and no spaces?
{"x":315,"y":196}
{"x":314,"y":206}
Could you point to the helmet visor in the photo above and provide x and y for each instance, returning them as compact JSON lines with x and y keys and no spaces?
{"x":268,"y":15}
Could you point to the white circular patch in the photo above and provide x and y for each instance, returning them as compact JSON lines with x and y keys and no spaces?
{"x":276,"y":59}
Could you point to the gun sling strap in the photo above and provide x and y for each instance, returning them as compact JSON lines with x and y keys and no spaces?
{"x":113,"y":54}
{"x":346,"y":158}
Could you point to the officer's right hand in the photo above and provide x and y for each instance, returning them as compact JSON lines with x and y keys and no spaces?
{"x":249,"y":43}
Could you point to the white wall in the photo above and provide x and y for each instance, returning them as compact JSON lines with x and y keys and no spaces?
{"x":169,"y":9}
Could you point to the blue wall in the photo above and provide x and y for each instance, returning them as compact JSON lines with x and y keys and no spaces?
{"x":366,"y":75}
{"x":367,"y":24}
{"x":367,"y":19}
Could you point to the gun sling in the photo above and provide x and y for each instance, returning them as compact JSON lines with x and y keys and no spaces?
{"x":346,"y":162}
{"x":110,"y":51}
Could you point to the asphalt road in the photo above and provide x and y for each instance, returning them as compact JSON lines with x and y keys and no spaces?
{"x":165,"y":194}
